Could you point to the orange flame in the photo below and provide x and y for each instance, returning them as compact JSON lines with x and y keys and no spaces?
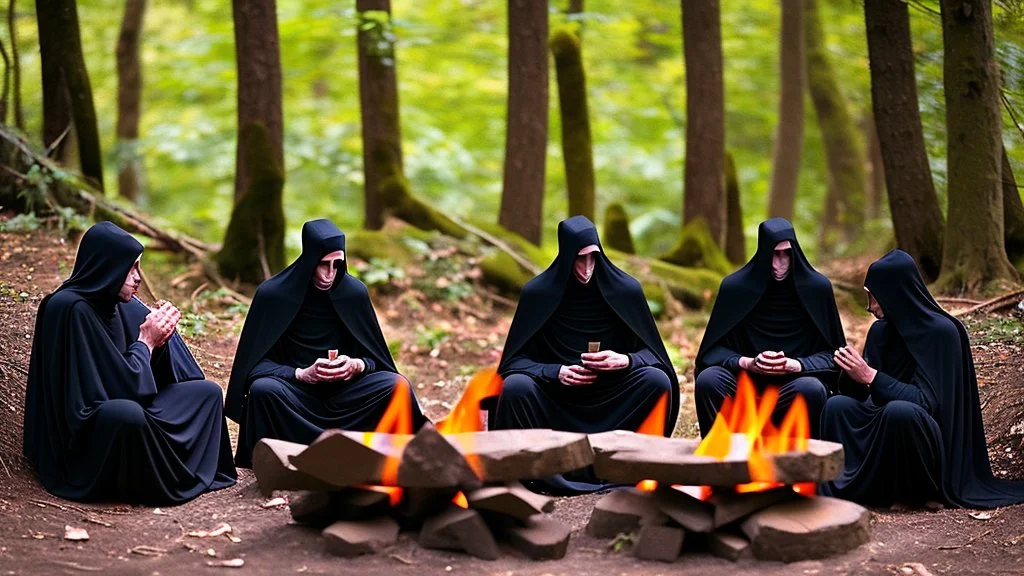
{"x":654,"y":425}
{"x":396,"y":421}
{"x":460,"y":500}
{"x":467,"y":417}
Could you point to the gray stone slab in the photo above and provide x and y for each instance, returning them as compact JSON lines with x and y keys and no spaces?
{"x":621,"y":511}
{"x":351,"y":538}
{"x":806,"y":529}
{"x":659,"y":542}
{"x":539,"y":538}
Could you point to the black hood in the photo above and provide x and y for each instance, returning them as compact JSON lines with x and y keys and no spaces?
{"x":741,"y":290}
{"x":279,"y":299}
{"x":105,"y":256}
{"x":542,"y":295}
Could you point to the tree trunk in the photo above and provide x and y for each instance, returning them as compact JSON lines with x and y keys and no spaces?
{"x":67,"y":94}
{"x":875,"y":167}
{"x":704,"y":181}
{"x":12,"y":33}
{"x":577,"y":149}
{"x":975,"y":254}
{"x":1013,"y":214}
{"x":789,"y":135}
{"x":258,"y":58}
{"x":129,"y":97}
{"x":735,"y":241}
{"x":843,"y":149}
{"x":913,"y":204}
{"x":5,"y":93}
{"x":522,"y":197}
{"x":378,"y":96}
{"x":575,"y":7}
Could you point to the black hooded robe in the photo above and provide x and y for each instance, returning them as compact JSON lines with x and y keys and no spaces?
{"x":290,"y":324}
{"x":557,"y":316}
{"x":754,"y":313}
{"x":105,"y":419}
{"x":919,"y":435}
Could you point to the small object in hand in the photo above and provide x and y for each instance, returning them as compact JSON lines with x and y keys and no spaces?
{"x":593,"y":347}
{"x":332,"y":355}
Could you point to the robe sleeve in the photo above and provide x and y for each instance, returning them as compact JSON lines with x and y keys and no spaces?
{"x":641,"y":358}
{"x":820,"y":362}
{"x":267,"y":368}
{"x":721,"y":355}
{"x":885,"y":388}
{"x":371,"y":366}
{"x":132,"y":380}
{"x":522,"y":364}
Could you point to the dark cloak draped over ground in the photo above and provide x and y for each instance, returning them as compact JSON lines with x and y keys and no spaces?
{"x":105,"y":420}
{"x":291,"y":323}
{"x":611,"y":309}
{"x":920,"y":434}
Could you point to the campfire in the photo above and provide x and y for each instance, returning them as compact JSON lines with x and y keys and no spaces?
{"x":455,"y":484}
{"x":747,"y":488}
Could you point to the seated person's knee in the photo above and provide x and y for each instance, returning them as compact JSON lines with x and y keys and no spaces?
{"x":517,"y":386}
{"x":901,"y":412}
{"x":709,"y":379}
{"x":811,"y":388}
{"x":265,"y":388}
{"x":655,"y":379}
{"x":841,"y":404}
{"x":121,"y":412}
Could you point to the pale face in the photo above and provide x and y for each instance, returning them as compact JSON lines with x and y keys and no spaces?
{"x":583,"y":267}
{"x":873,"y":306}
{"x":131,"y":283}
{"x":781,"y":260}
{"x":327,"y":269}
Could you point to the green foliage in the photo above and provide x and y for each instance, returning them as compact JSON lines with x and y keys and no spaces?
{"x":379,"y":34}
{"x":21,"y":223}
{"x":378,"y":272}
{"x":993,"y":329}
{"x":193,"y":325}
{"x":431,"y":337}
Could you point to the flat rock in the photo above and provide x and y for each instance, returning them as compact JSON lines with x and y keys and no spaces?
{"x":274,"y":472}
{"x":730,"y":507}
{"x":419,"y":504}
{"x":513,"y":455}
{"x":511,"y":500}
{"x":808,"y":528}
{"x":685,"y":510}
{"x":360,"y":503}
{"x":351,"y":538}
{"x":460,"y":529}
{"x":340,"y":459}
{"x":619,"y":511}
{"x":729,"y":546}
{"x":539,"y":538}
{"x":659,"y":542}
{"x":628,"y":457}
{"x":313,"y":508}
{"x":430,"y":461}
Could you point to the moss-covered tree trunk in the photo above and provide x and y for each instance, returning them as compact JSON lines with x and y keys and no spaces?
{"x":67,"y":94}
{"x":875,"y":167}
{"x":253,"y":247}
{"x":12,"y":34}
{"x":916,"y":217}
{"x":129,"y":97}
{"x":616,"y":234}
{"x":735,"y":241}
{"x":258,"y":57}
{"x":5,"y":93}
{"x":704,"y":181}
{"x":974,"y":255}
{"x":1013,"y":215}
{"x":843,"y":148}
{"x":577,"y":149}
{"x":526,"y":135}
{"x":789,"y":134}
{"x":378,"y":100}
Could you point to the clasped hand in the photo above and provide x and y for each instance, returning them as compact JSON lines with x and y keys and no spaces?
{"x":159,"y":326}
{"x":854,"y":365}
{"x":324,"y":370}
{"x":592,"y":363}
{"x":769,"y":362}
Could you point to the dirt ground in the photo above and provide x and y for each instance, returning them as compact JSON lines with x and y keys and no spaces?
{"x":442,"y":342}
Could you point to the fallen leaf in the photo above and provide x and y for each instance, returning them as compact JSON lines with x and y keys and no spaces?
{"x":233,"y":563}
{"x":275,"y":503}
{"x":75,"y":534}
{"x":221,"y":529}
{"x":234,"y":539}
{"x":148,"y":551}
{"x":980,"y":515}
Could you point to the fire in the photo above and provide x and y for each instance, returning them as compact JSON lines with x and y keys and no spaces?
{"x":396,"y":421}
{"x":465,"y":416}
{"x":460,"y":500}
{"x":654,"y":425}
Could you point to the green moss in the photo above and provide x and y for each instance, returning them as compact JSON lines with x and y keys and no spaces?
{"x":577,"y":147}
{"x":375,"y":244}
{"x":695,"y":287}
{"x":504,"y":273}
{"x":616,"y":230}
{"x":258,"y":216}
{"x":696,"y":249}
{"x":540,"y":257}
{"x":400,"y":203}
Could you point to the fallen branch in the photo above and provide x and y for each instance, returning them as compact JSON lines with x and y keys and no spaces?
{"x":5,"y":468}
{"x":995,"y":304}
{"x":501,"y":245}
{"x":968,"y":543}
{"x":944,"y":300}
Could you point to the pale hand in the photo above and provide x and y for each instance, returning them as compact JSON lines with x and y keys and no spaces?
{"x":604,"y":361}
{"x":854,"y":365}
{"x":576,"y":376}
{"x":159,"y":326}
{"x":771,"y":363}
{"x":324,"y":370}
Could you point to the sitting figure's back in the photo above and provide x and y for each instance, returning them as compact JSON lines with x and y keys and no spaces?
{"x":116,"y":407}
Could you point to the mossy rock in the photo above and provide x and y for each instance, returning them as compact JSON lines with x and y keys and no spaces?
{"x":502,"y":272}
{"x":538,"y":256}
{"x":696,"y":249}
{"x":400,"y":203}
{"x":616,"y":235}
{"x":694,"y":287}
{"x":376,"y":244}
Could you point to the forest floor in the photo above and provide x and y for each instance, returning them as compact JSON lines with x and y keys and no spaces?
{"x":443,"y":333}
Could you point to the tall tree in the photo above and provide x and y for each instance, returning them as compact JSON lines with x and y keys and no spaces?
{"x":577,"y":148}
{"x":704,"y":177}
{"x":522,"y":197}
{"x":843,"y":149}
{"x":129,"y":97}
{"x":67,"y":94}
{"x":789,"y":134}
{"x":974,"y":254}
{"x":12,"y":33}
{"x":254,"y":240}
{"x":378,"y":97}
{"x":1013,"y":214}
{"x":258,"y":58}
{"x":916,"y":217}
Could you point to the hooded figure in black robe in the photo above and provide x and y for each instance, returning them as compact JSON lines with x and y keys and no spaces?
{"x":550,"y":378}
{"x":911,"y":425}
{"x":106,"y":418}
{"x":291,"y":326}
{"x":759,"y":314}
